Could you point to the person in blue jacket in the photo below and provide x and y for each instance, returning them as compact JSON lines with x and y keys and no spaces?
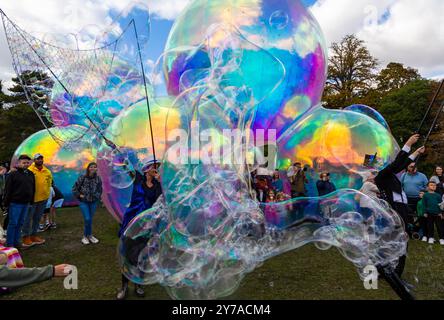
{"x":146,"y":190}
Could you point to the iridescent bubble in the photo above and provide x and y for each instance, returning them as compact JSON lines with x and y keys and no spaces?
{"x":65,"y":163}
{"x":338,"y":142}
{"x":368,"y":111}
{"x":279,"y":19}
{"x":194,"y":266}
{"x":130,"y":131}
{"x":230,"y":72}
{"x":275,"y":64}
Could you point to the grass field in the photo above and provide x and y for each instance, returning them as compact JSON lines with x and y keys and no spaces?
{"x":305,"y":274}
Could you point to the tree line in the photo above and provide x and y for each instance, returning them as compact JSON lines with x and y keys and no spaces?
{"x":398,"y":92}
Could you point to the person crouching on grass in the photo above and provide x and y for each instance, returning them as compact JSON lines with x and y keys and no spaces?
{"x":19,"y":277}
{"x":433,"y":213}
{"x":88,"y":190}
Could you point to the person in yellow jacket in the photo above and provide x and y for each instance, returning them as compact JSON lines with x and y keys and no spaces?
{"x":43,"y":182}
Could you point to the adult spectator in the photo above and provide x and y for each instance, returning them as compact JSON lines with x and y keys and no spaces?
{"x":438,"y":178}
{"x":146,"y":190}
{"x":15,"y":278}
{"x":43,"y":182}
{"x":412,"y":184}
{"x":371,"y":191}
{"x":261,"y":189}
{"x":277,"y":183}
{"x":3,"y":172}
{"x":324,"y":185}
{"x":19,"y":196}
{"x":297,"y":180}
{"x":390,"y":186}
{"x":3,"y":211}
{"x":88,"y":190}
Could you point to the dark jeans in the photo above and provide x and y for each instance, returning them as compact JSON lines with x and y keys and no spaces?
{"x":423,"y":225}
{"x":432,"y":221}
{"x":17,"y":214}
{"x":32,"y":221}
{"x":403,"y":211}
{"x":413,"y":203}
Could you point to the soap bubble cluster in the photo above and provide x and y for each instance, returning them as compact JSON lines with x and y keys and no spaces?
{"x":255,"y":70}
{"x":248,"y":66}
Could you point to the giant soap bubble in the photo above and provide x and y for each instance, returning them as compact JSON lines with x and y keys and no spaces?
{"x":130,"y":131}
{"x":66,"y":164}
{"x":337,"y":142}
{"x":277,"y":47}
{"x":234,"y":70}
{"x":244,"y":66}
{"x":96,"y":98}
{"x":368,"y":111}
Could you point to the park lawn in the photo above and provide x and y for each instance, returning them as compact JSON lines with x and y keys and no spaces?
{"x":303,"y":274}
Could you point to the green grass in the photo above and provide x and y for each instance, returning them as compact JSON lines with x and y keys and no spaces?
{"x":306,"y":273}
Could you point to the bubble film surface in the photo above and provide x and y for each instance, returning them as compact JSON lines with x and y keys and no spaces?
{"x":195,"y":265}
{"x":65,"y":164}
{"x":97,"y":98}
{"x":277,"y":47}
{"x":244,"y":80}
{"x":337,"y":142}
{"x":130,"y":131}
{"x":208,"y":230}
{"x":368,"y":111}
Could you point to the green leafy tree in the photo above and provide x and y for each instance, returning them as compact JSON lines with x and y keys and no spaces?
{"x":395,"y":76}
{"x":404,"y":108}
{"x":18,"y":120}
{"x":351,"y":72}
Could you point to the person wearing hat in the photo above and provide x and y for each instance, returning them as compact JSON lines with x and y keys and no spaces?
{"x":88,"y":190}
{"x":19,"y":195}
{"x":146,"y":190}
{"x":43,"y":182}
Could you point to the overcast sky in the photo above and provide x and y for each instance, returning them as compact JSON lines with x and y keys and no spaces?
{"x":406,"y":31}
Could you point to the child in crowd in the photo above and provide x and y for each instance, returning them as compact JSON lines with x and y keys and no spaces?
{"x":420,"y":214}
{"x":55,"y":201}
{"x":433,"y":213}
{"x":371,"y":191}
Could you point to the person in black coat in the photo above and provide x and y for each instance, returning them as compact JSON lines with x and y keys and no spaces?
{"x":390,"y":186}
{"x":262,"y":189}
{"x":388,"y":183}
{"x":324,"y":185}
{"x":19,"y":195}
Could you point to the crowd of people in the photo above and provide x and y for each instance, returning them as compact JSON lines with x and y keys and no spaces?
{"x":30,"y":199}
{"x":280,"y":186}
